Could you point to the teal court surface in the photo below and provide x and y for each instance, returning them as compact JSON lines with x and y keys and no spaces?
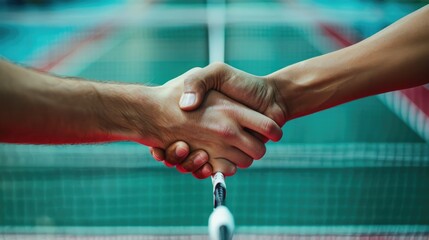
{"x":357,"y":171}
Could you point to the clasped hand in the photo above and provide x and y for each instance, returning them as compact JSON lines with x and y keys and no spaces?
{"x":212,"y":132}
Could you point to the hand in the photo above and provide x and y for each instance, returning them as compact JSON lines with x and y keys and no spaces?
{"x":258,"y":93}
{"x":178,"y":153}
{"x":219,"y":126}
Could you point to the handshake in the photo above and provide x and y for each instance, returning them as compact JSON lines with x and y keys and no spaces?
{"x":225,"y":118}
{"x":211,"y":119}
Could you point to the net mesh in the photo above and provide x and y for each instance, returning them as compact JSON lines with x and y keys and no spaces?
{"x":357,"y":171}
{"x":302,"y":188}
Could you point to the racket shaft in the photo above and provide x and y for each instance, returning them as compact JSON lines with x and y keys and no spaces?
{"x":224,"y":233}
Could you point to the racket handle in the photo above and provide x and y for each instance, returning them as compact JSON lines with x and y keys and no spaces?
{"x":219,"y":189}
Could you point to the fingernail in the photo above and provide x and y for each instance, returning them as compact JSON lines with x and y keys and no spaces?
{"x":206,"y":172}
{"x":187,"y":99}
{"x":180,"y":152}
{"x":199,"y":160}
{"x":157,"y":157}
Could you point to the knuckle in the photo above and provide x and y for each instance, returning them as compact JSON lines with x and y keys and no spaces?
{"x":190,"y":79}
{"x":218,"y":66}
{"x":227,"y":132}
{"x":192,"y":71}
{"x":219,"y":69}
{"x":195,"y":82}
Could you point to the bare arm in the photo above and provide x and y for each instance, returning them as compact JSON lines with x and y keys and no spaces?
{"x":40,"y":108}
{"x":395,"y":58}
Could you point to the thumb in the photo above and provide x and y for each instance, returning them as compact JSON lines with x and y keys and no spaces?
{"x":198,"y":82}
{"x":193,"y":93}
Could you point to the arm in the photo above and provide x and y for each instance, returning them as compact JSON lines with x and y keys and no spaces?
{"x":39,"y":108}
{"x":395,"y":58}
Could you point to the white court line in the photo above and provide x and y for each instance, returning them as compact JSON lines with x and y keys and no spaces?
{"x":216,"y":30}
{"x":408,"y":112}
{"x":163,"y":15}
{"x":216,"y":15}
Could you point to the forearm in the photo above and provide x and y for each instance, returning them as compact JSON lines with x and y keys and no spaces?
{"x":40,"y":108}
{"x":395,"y":58}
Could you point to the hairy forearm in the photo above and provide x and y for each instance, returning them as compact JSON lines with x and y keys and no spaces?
{"x":395,"y":58}
{"x":44,"y":109}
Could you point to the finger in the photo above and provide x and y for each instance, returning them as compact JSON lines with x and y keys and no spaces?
{"x":259,"y":123}
{"x":197,"y":83}
{"x":258,"y":136}
{"x":224,"y":166}
{"x":204,"y":172}
{"x":193,"y":162}
{"x":250,"y":145}
{"x":177,"y":153}
{"x":157,"y":153}
{"x":167,"y":164}
{"x":238,"y":137}
{"x":277,"y":114}
{"x":233,"y":155}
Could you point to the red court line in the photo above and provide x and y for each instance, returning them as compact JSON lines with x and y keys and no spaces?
{"x":335,"y":35}
{"x":420,"y":97}
{"x":96,"y":34}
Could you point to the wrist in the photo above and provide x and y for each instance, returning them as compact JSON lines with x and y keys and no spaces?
{"x":290,"y":87}
{"x":126,"y":112}
{"x":312,"y":85}
{"x":85,"y":108}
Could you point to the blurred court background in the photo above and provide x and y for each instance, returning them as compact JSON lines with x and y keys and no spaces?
{"x":358,"y":171}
